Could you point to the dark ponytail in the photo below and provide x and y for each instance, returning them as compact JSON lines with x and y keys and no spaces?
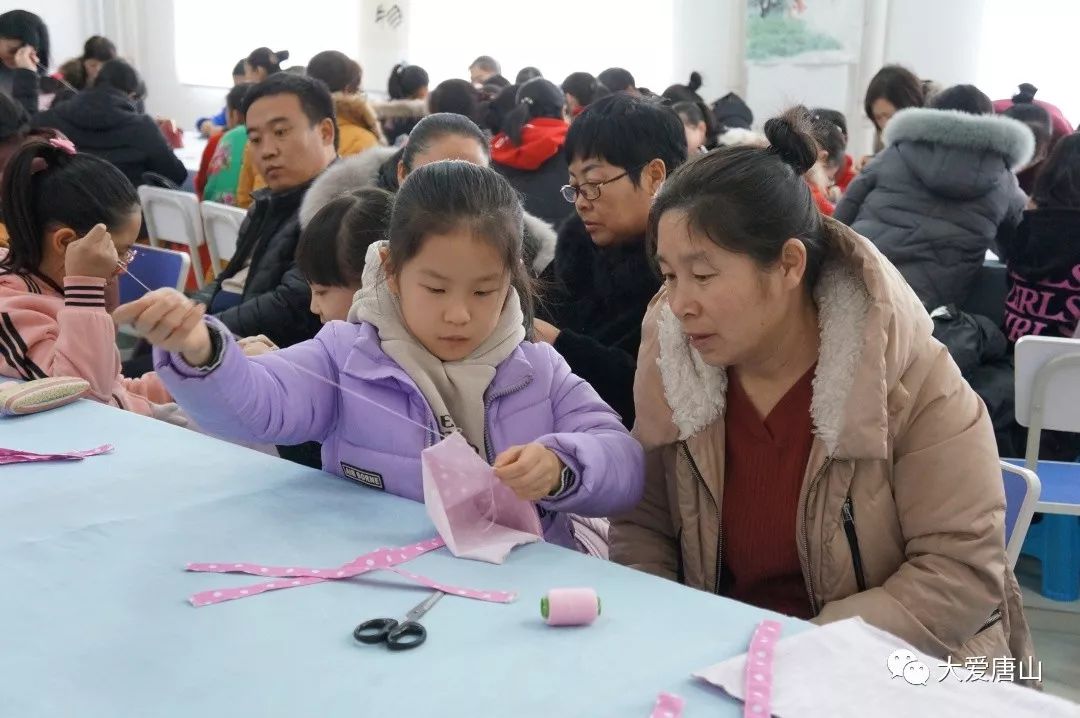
{"x":536,"y":98}
{"x":676,"y":94}
{"x":267,"y":59}
{"x":752,"y":200}
{"x":44,"y":184}
{"x":1034,"y":116}
{"x":405,"y":81}
{"x":1026,"y":94}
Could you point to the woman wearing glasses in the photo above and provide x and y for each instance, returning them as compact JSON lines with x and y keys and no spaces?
{"x":620,"y":150}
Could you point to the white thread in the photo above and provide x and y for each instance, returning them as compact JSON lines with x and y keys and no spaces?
{"x":138,"y":281}
{"x":372,"y":402}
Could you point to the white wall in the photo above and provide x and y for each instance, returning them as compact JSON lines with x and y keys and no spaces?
{"x":709,"y":38}
{"x":143,"y":30}
{"x":937,"y":40}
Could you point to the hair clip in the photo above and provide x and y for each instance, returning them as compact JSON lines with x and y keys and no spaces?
{"x":527,"y":100}
{"x":63,"y":144}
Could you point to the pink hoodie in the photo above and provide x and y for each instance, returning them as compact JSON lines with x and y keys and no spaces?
{"x":45,"y":333}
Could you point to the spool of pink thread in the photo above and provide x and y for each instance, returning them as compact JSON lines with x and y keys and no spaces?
{"x":570,"y":606}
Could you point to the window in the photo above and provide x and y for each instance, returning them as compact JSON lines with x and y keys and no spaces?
{"x":557,"y":36}
{"x":1030,"y":42}
{"x":210,"y":40}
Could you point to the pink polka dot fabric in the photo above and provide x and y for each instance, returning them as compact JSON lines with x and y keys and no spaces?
{"x":292,"y":576}
{"x":15,"y":456}
{"x":668,"y":705}
{"x":759,"y":670}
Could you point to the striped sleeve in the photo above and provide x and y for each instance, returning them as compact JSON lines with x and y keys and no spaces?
{"x":86,"y":292}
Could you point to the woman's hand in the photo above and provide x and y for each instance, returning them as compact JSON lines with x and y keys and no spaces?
{"x":545,"y":332}
{"x":93,"y":255}
{"x":26,"y":58}
{"x":170,"y":321}
{"x":255,"y":346}
{"x":532,"y":471}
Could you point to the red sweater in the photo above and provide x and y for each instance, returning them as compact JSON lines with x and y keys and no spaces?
{"x":763,"y":475}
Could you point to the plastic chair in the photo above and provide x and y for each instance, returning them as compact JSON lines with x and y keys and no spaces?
{"x":221,"y":227}
{"x":1022,"y":489}
{"x":1048,"y":397}
{"x":173,"y":216}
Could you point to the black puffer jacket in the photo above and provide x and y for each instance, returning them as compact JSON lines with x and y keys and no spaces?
{"x":539,"y":188}
{"x":597,"y":298}
{"x":1043,"y":258}
{"x":934,"y":200}
{"x":105,"y":122}
{"x":276,"y":297}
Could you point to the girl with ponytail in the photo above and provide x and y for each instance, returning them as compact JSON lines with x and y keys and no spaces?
{"x":689,"y":93}
{"x":528,"y":150}
{"x":72,"y":220}
{"x":408,"y":91}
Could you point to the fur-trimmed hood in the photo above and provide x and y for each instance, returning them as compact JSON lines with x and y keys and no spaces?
{"x":982,"y":133}
{"x":354,"y":109}
{"x":871,"y":325}
{"x":343,"y":176}
{"x":374,"y":167}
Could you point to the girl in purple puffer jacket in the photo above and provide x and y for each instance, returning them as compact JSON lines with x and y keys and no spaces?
{"x":437,"y":338}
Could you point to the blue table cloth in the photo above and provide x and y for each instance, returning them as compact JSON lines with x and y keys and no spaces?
{"x":95,"y":620}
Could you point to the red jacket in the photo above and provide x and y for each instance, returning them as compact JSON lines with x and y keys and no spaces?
{"x":204,"y":163}
{"x":846,"y":173}
{"x":824,"y":205}
{"x":541,"y":140}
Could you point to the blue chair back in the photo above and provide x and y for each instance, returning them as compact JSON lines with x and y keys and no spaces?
{"x":156,"y":268}
{"x":1022,"y":489}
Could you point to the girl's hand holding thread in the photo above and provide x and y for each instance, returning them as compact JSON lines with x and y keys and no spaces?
{"x":92,"y":255}
{"x":532,"y":471}
{"x":170,"y":321}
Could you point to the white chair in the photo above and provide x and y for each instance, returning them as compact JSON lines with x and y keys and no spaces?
{"x":173,"y":216}
{"x":1048,"y":397}
{"x":1047,"y":388}
{"x":1022,"y":489}
{"x":221,"y":227}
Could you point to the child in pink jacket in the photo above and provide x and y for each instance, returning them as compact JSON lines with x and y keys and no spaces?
{"x":71,"y":219}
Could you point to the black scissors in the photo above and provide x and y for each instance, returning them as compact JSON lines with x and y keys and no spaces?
{"x":398,"y":636}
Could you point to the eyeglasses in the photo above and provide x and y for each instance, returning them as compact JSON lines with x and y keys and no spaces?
{"x":123,"y":262}
{"x":591,"y":190}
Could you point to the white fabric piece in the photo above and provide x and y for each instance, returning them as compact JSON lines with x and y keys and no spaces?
{"x":841,"y":670}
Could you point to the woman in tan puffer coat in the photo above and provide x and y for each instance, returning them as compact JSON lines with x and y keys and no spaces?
{"x":872,"y":487}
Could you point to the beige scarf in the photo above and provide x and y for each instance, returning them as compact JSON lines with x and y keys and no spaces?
{"x":454,"y":390}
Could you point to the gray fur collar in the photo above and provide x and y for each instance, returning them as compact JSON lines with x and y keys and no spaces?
{"x":347,"y":174}
{"x":994,"y":133}
{"x":696,"y":392}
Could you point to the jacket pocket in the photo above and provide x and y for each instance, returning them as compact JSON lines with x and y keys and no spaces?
{"x":847,"y":517}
